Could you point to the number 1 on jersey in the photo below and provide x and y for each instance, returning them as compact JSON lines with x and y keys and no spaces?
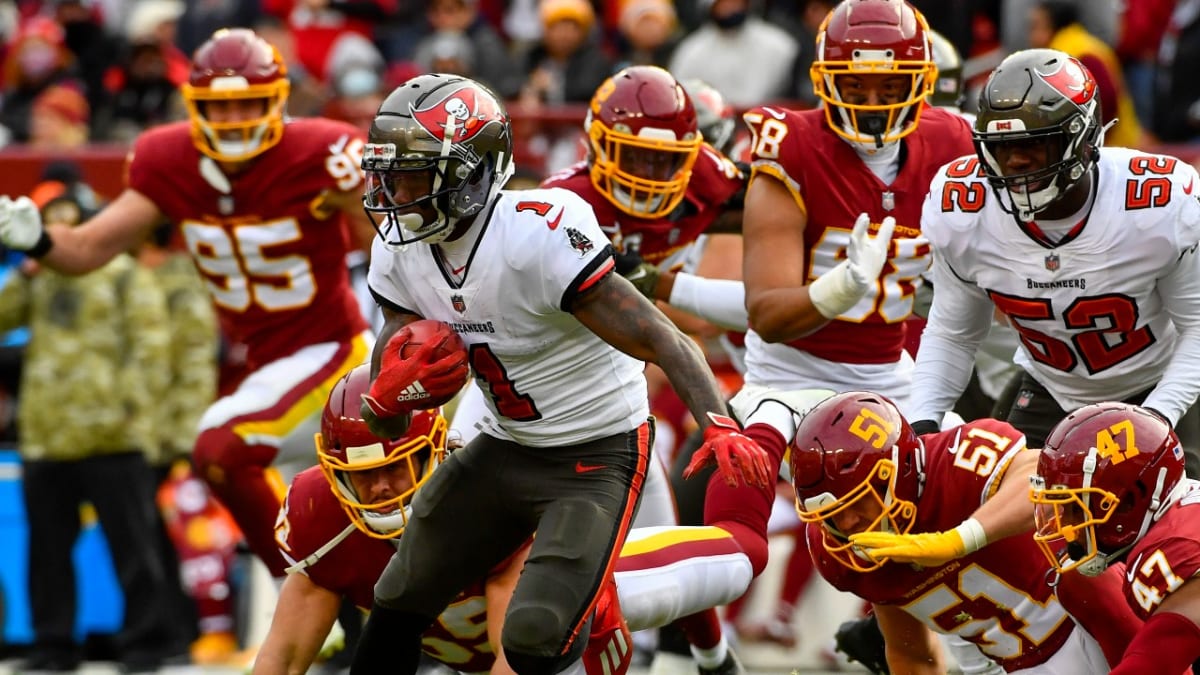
{"x":509,"y":402}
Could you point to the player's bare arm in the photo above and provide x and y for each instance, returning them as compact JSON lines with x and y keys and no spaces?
{"x":774,"y":264}
{"x":1009,"y":511}
{"x":912,"y":649}
{"x":117,"y":228}
{"x":614,"y":310}
{"x":1006,"y":512}
{"x":498,"y":590}
{"x":303,"y":616}
{"x":362,"y":231}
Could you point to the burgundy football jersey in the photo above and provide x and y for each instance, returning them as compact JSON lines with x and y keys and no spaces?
{"x":998,"y":597}
{"x":1166,"y":557}
{"x":714,"y":180}
{"x":833,"y":186}
{"x":273,"y":261}
{"x":312,"y":517}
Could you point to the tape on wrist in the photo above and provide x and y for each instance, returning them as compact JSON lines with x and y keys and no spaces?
{"x":972,"y":534}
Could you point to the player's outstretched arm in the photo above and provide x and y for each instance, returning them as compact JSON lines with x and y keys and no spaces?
{"x":911,"y":647}
{"x":303,"y":616}
{"x":774,"y":264}
{"x":118,"y":227}
{"x":1007,"y":512}
{"x":615,"y":311}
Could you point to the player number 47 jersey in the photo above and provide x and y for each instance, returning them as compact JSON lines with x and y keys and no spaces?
{"x":1166,"y":557}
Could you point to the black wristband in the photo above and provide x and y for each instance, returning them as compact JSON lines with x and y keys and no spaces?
{"x":1159,"y":415}
{"x":42,"y":247}
{"x":922,"y":427}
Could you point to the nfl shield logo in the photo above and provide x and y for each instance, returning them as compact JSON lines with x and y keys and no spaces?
{"x":1052,"y":262}
{"x":458,"y":303}
{"x":1024,"y":398}
{"x":888,"y":202}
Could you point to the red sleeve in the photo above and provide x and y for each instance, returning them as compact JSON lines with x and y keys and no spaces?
{"x":1168,"y":644}
{"x":1098,"y":604}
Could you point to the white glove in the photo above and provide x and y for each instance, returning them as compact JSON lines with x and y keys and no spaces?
{"x":839,"y":289}
{"x":20,"y":223}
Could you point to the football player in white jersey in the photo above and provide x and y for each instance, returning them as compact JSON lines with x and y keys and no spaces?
{"x":1090,"y":252}
{"x":555,"y":339}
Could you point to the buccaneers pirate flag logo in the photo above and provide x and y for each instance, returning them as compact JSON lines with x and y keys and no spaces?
{"x":461,"y":115}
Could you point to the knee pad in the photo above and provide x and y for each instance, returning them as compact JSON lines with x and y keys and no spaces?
{"x":531,"y":649}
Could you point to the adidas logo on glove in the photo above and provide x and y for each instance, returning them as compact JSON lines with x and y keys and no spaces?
{"x":414,"y":392}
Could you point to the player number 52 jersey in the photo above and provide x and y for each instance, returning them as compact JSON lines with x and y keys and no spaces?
{"x":1094,"y":310}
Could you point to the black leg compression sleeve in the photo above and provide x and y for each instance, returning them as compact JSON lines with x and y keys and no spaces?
{"x":390,"y":642}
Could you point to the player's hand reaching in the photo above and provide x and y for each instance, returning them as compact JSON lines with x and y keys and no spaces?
{"x":928,"y":549}
{"x":20,"y":223}
{"x":407,"y":384}
{"x":638,"y":272}
{"x":737,"y":456}
{"x":836,"y":291}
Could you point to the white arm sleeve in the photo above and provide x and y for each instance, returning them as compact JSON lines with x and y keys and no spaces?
{"x":718,"y":301}
{"x":958,"y":322}
{"x":1179,"y":386}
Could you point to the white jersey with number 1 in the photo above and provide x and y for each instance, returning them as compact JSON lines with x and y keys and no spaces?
{"x":548,"y":380}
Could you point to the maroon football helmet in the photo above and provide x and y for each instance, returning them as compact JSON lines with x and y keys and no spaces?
{"x":855,"y":450}
{"x":643,"y":140}
{"x":873,"y":37}
{"x":236,"y":64}
{"x":345,"y":445}
{"x":1106,"y":473}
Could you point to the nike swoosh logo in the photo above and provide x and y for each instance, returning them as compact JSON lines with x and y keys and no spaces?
{"x":1188,"y":190}
{"x":580,"y":467}
{"x":554,"y":223}
{"x":774,"y":113}
{"x":1131,"y":570}
{"x":641,"y":272}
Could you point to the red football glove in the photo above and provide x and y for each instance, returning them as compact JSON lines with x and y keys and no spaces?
{"x":408,"y":384}
{"x":734,"y":453}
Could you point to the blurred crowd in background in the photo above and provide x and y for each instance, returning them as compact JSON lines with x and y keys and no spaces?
{"x":101,"y":70}
{"x":80,"y":72}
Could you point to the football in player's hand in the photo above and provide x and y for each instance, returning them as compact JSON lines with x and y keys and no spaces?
{"x":424,"y":331}
{"x":441,"y":367}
